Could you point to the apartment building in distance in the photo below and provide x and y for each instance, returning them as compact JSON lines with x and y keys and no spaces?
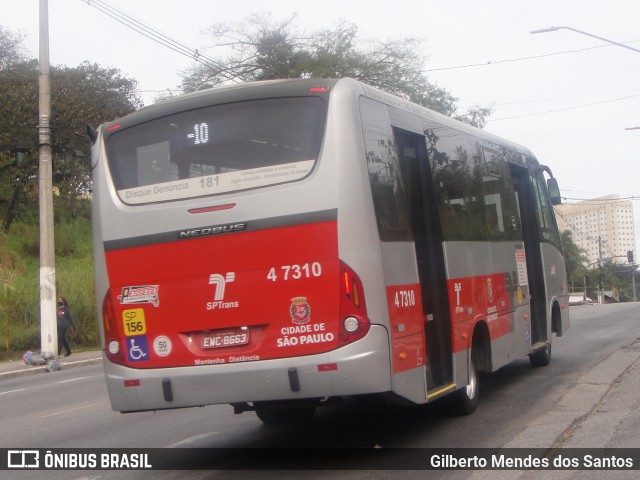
{"x":603,"y":227}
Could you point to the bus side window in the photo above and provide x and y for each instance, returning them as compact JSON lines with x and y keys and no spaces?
{"x":474,"y":188}
{"x":544,"y":213}
{"x":503,"y":218}
{"x":383,"y":164}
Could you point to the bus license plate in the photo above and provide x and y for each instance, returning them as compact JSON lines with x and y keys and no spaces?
{"x":224,"y":339}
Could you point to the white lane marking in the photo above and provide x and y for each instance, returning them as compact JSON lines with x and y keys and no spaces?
{"x":69,"y":410}
{"x":193,"y":439}
{"x":78,"y":378}
{"x":12,"y":391}
{"x":40,"y":385}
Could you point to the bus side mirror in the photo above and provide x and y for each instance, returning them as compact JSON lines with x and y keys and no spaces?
{"x":554,"y":191}
{"x":92,"y":133}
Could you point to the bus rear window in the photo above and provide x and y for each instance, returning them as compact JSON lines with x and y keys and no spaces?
{"x":218,"y":149}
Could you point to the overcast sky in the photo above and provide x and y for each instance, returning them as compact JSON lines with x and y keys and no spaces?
{"x":569,"y":102}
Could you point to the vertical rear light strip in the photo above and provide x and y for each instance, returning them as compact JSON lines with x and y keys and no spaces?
{"x":107,"y":313}
{"x":114,"y":346}
{"x":354,"y":322}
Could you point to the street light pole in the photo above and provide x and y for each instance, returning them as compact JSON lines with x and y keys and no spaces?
{"x":48,"y":327}
{"x":553,"y":29}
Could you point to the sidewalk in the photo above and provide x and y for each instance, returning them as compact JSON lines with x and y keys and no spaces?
{"x":13,"y":369}
{"x":601,"y":410}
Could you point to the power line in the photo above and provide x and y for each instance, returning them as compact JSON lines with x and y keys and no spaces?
{"x":601,"y":194}
{"x":520,"y":59}
{"x":563,"y":109}
{"x":595,"y":201}
{"x":157,"y":36}
{"x":554,"y":99}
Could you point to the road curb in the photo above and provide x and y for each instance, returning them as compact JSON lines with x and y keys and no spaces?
{"x":33,"y":370}
{"x":553,"y":428}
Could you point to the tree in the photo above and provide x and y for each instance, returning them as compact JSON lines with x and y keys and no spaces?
{"x":87,"y":94}
{"x":18,"y":122}
{"x":611,"y":276}
{"x":11,"y":49}
{"x":575,"y":257}
{"x":261,"y":49}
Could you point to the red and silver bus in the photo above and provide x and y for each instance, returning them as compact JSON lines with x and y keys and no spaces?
{"x":280,"y":244}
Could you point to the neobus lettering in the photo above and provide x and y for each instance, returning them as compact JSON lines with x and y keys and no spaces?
{"x":215,"y":230}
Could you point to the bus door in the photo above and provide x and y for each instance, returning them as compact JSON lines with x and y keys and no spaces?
{"x":530,"y":209}
{"x":427,"y":236}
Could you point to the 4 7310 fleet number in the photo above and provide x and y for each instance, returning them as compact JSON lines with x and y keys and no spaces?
{"x":295,"y":272}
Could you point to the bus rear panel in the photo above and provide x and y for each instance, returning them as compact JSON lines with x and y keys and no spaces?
{"x":219,"y":273}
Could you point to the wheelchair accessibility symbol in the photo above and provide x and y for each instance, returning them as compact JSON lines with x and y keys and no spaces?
{"x":137,"y":348}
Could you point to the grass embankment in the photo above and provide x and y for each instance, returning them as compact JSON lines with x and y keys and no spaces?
{"x":19,"y":283}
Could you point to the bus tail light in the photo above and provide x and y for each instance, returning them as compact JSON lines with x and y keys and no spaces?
{"x":113,"y":347}
{"x":114,"y":350}
{"x":351,"y":286}
{"x":108,"y":314}
{"x":354,"y":322}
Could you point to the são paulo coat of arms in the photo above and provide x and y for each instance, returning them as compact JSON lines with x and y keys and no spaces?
{"x":300,"y":310}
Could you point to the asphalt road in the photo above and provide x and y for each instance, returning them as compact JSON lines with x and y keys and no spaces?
{"x":70,"y":409}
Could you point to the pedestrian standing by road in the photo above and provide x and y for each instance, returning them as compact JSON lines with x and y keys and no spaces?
{"x":65,"y":320}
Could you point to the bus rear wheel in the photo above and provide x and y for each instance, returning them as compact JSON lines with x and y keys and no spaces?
{"x":283,"y":413}
{"x":466,"y":399}
{"x":542,"y":357}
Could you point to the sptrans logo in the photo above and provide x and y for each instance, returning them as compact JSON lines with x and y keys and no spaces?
{"x":220,"y":287}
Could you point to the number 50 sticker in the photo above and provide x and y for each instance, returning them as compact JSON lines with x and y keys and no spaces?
{"x":134,"y":322}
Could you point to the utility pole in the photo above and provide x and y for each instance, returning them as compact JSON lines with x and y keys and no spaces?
{"x":601,"y":274}
{"x":48,"y":327}
{"x":632,"y":270}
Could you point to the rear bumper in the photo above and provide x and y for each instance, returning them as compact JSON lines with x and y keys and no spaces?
{"x":362,"y":367}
